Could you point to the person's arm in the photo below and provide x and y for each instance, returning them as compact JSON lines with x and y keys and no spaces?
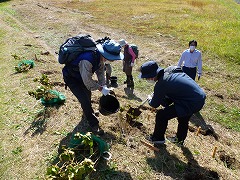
{"x":85,"y":69}
{"x":199,"y":66}
{"x":101,"y":74}
{"x":132,"y":54}
{"x":180,"y":61}
{"x":158,"y":96}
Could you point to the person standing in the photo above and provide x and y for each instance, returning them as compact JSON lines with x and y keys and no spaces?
{"x":128,"y":63}
{"x":180,"y":96}
{"x":78,"y":76}
{"x":108,"y":69}
{"x":192,"y":61}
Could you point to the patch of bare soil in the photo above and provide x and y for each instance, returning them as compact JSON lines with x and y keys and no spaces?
{"x":49,"y":24}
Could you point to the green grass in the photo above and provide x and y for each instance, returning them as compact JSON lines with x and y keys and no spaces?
{"x":214,"y":24}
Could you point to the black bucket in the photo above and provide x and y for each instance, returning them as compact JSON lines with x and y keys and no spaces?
{"x":113,"y":80}
{"x":108,"y":105}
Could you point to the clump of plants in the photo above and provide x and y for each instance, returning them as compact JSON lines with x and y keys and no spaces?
{"x":44,"y":90}
{"x":24,"y":66}
{"x":76,"y":162}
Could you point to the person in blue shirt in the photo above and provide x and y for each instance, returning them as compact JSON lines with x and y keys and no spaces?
{"x":180,"y":96}
{"x":191,"y":59}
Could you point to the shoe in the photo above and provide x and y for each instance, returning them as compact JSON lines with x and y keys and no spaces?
{"x":175,"y":140}
{"x":155,"y":141}
{"x":97,"y":130}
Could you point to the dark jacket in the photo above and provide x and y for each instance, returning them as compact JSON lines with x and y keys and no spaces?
{"x":180,"y":89}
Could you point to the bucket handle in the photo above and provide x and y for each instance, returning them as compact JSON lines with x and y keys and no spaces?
{"x":107,"y":155}
{"x":111,"y":92}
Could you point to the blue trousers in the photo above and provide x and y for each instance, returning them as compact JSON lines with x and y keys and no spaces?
{"x":84,"y":97}
{"x":191,"y":72}
{"x":162,"y":117}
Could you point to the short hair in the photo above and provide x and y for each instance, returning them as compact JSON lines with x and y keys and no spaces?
{"x":190,"y":42}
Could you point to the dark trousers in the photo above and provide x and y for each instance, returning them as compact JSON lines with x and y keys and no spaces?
{"x":162,"y":117}
{"x":191,"y":72}
{"x":127,"y":68}
{"x":84,"y":97}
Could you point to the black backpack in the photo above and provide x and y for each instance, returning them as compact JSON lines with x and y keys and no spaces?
{"x":74,"y":46}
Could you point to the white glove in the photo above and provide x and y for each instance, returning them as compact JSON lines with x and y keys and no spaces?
{"x":149,"y":98}
{"x":132,"y":64}
{"x":105,"y":90}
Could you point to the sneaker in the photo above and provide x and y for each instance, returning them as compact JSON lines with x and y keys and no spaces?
{"x":155,"y":141}
{"x":175,"y":140}
{"x":97,"y":130}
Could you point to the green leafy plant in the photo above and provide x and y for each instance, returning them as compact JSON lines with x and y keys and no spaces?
{"x":23,"y":68}
{"x":42,"y":91}
{"x":24,"y":65}
{"x":77,"y":162}
{"x":87,"y":141}
{"x":18,"y":150}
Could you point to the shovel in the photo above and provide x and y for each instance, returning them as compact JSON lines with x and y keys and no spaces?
{"x":133,"y":113}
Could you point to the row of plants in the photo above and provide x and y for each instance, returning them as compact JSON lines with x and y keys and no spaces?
{"x":78,"y":160}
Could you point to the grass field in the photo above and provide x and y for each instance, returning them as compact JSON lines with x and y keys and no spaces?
{"x":214,"y":24}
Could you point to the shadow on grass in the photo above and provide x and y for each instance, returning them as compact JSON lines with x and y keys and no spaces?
{"x":39,"y":124}
{"x":104,"y":169}
{"x":171,"y":166}
{"x":206,"y":129}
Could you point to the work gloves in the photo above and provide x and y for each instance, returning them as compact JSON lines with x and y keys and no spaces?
{"x":132,"y":64}
{"x":105,"y":90}
{"x":149,"y":98}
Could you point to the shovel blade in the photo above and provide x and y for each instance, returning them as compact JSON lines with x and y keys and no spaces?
{"x":133,"y":113}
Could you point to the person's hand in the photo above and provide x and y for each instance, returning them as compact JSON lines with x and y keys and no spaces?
{"x":105,"y":90}
{"x":199,"y":77}
{"x":149,"y":97}
{"x":132,"y":64}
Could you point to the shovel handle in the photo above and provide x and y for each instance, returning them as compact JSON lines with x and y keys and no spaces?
{"x":144,"y":102}
{"x":150,"y":146}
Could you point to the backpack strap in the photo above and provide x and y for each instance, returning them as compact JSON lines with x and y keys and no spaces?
{"x":131,"y":52}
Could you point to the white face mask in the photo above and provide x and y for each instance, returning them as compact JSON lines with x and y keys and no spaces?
{"x":192,"y":48}
{"x":151,"y":81}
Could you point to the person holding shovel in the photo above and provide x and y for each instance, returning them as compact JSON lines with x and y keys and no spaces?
{"x":180,"y":96}
{"x":78,"y":76}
